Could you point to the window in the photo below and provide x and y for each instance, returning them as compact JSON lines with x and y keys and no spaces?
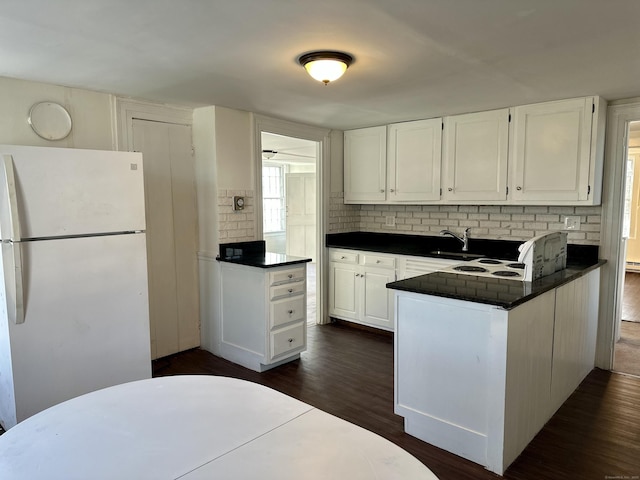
{"x":273,"y":198}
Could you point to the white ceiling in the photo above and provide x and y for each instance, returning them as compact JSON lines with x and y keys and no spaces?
{"x":289,"y":149}
{"x":414,"y":58}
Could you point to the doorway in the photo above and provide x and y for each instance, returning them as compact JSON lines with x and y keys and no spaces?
{"x":627,"y":346}
{"x":289,"y":203}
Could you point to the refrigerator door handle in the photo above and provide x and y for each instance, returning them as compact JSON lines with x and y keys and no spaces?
{"x":9,"y":216}
{"x":14,"y":292}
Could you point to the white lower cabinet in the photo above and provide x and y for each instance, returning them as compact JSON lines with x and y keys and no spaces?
{"x":357,"y":287}
{"x":264,"y":314}
{"x":481,"y":381}
{"x":358,"y":283}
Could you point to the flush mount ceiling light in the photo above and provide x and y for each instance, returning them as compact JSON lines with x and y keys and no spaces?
{"x":325,"y":66}
{"x":268,"y":154}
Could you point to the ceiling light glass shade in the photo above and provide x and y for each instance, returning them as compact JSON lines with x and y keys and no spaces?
{"x":326,"y":66}
{"x":268,"y":154}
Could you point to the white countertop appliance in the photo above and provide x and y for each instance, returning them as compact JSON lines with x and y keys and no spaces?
{"x":539,"y":257}
{"x":490,"y":267}
{"x":74,"y":313}
{"x":543,"y":255}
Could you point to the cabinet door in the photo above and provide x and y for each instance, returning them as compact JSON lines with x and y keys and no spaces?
{"x":414,"y":157}
{"x":365,"y":160}
{"x":342,"y":290}
{"x":377,"y":299}
{"x":476,"y":148}
{"x":551,"y":151}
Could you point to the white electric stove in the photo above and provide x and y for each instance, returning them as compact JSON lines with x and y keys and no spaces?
{"x":490,"y":267}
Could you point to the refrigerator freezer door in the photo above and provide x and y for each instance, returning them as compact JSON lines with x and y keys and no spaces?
{"x":68,"y":192}
{"x":86,"y":319}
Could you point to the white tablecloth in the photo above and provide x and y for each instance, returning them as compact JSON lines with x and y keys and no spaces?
{"x":197,"y":427}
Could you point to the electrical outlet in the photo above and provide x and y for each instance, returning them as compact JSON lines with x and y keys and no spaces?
{"x":572,"y":223}
{"x":390,"y":221}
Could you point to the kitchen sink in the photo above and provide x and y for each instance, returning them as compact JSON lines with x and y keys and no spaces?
{"x":464,"y":256}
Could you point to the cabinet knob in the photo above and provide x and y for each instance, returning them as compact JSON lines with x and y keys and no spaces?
{"x":377,"y":261}
{"x":290,"y":275}
{"x":290,"y":312}
{"x":290,"y":340}
{"x":382,"y":190}
{"x":450,"y":189}
{"x":343,"y":257}
{"x":392,"y":190}
{"x":518,"y":188}
{"x":290,"y":290}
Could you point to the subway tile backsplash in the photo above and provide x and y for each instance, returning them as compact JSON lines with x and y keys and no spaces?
{"x":505,"y":222}
{"x":236,"y":225}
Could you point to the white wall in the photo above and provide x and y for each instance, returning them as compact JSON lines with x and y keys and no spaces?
{"x":337,"y":161}
{"x":234,"y":147}
{"x":224,"y":167}
{"x":91,"y":114}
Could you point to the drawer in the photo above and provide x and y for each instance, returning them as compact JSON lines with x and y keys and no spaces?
{"x":288,"y":340}
{"x":284,"y":276}
{"x":379,"y":261}
{"x":287,"y":290}
{"x":287,"y":310}
{"x":344,"y":257}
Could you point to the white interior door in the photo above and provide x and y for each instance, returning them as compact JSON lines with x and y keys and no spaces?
{"x":171,"y":235}
{"x":301,"y":214}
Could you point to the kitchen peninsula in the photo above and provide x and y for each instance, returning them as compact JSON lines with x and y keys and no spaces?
{"x":482,"y":363}
{"x":264,"y":308}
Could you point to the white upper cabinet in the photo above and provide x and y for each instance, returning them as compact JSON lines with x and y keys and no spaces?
{"x":476,"y":148}
{"x":413,"y":161}
{"x":365,"y":165}
{"x":547,"y":154}
{"x":556,"y":152}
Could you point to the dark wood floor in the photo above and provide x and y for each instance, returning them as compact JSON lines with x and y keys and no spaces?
{"x":349,"y":373}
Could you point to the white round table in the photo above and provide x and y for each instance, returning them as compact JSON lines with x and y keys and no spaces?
{"x":197,"y":427}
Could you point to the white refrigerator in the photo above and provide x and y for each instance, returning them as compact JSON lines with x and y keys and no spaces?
{"x":74,"y":314}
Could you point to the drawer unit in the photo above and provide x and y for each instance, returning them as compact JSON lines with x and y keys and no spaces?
{"x":285,"y":276}
{"x":264,"y":314}
{"x":286,"y":311}
{"x":379,"y":261}
{"x":287,"y":340}
{"x":287,"y":290}
{"x":343,"y":256}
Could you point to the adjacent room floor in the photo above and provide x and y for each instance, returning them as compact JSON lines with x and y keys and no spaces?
{"x":626,"y":357}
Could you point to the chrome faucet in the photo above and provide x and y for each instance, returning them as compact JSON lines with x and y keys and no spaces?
{"x":464,"y":239}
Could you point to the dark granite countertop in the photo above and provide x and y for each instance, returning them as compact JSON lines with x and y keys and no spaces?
{"x":502,"y":293}
{"x":254,"y":254}
{"x":425,"y":245}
